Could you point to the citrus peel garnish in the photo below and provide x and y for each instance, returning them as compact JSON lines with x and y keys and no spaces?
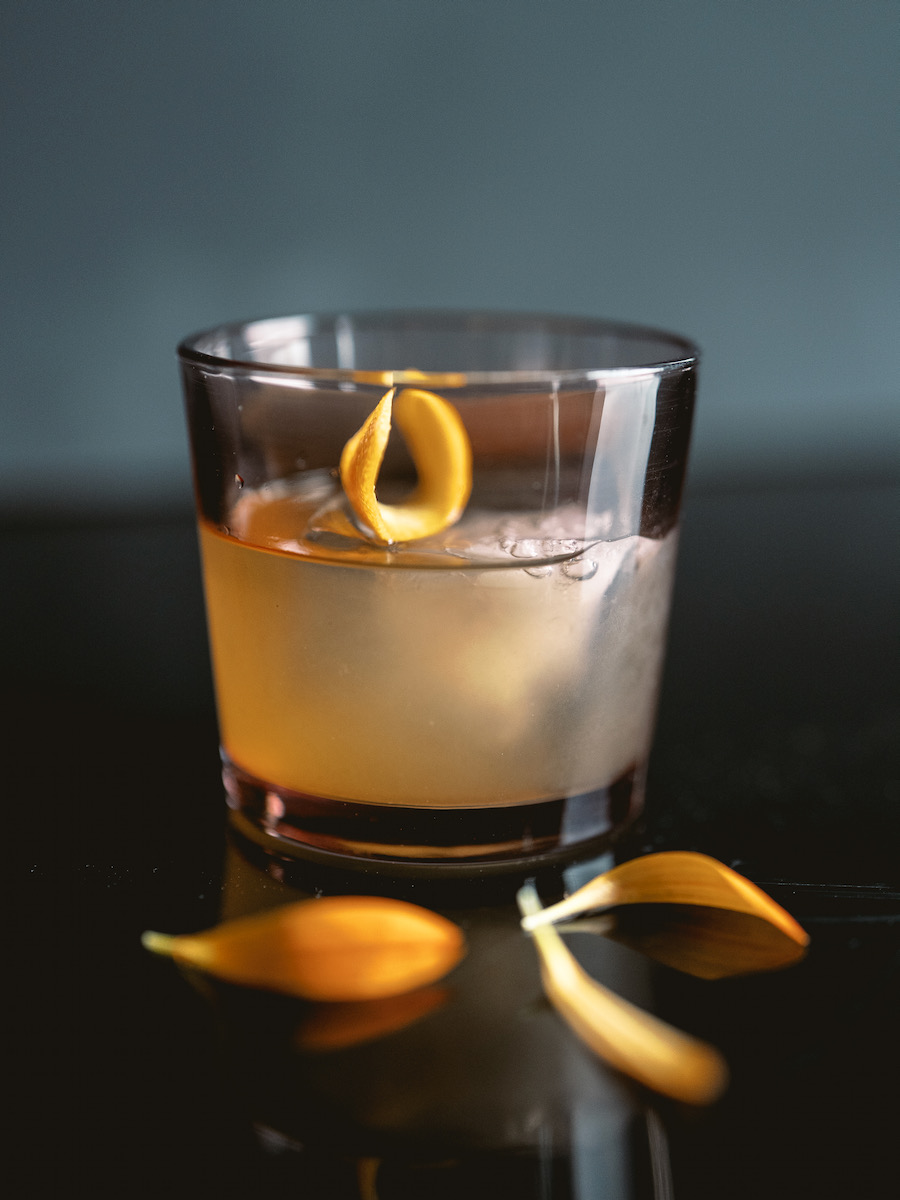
{"x":440,"y":449}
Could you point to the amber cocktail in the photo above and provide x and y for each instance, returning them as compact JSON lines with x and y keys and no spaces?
{"x":471,"y":682}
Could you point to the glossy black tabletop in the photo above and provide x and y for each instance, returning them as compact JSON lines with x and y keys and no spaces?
{"x":776,"y":753}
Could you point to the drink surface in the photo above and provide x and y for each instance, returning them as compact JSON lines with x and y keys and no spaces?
{"x":495,"y":672}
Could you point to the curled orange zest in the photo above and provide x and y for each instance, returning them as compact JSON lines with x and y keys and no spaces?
{"x":440,"y":449}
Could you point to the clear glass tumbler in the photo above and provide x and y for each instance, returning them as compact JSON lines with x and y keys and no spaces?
{"x":463,"y":699}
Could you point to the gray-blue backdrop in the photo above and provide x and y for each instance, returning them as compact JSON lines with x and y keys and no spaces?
{"x":725,"y":168}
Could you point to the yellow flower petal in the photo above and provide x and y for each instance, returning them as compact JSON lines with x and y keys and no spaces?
{"x":440,"y":449}
{"x":336,"y":948}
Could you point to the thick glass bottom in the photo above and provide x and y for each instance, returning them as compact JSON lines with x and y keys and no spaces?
{"x":454,"y":839}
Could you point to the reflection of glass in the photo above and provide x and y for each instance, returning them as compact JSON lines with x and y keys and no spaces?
{"x":482,"y":695}
{"x":472,"y":1088}
{"x":475,"y":1083}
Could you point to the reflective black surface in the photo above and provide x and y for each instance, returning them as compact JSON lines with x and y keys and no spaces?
{"x":776,"y":752}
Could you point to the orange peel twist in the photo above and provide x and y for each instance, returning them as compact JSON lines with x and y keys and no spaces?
{"x":440,"y":449}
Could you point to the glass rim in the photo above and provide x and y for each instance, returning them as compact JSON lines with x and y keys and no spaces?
{"x":495,"y":321}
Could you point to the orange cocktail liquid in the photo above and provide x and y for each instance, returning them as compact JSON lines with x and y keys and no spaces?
{"x":449,"y":685}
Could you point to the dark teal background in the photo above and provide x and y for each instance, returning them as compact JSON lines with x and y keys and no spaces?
{"x":728,"y":170}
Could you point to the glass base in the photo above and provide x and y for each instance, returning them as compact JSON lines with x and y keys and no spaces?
{"x":439,"y":839}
